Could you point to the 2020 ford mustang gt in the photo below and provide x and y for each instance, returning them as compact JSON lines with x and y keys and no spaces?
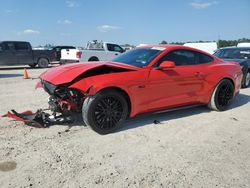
{"x":146,"y":79}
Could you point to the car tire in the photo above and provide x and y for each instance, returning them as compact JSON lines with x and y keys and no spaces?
{"x":246,"y":80}
{"x":43,"y":63}
{"x":222,"y":95}
{"x":106,"y":111}
{"x":32,"y":65}
{"x":93,"y":59}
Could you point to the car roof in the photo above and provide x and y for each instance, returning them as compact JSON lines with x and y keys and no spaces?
{"x":173,"y":47}
{"x":158,"y":45}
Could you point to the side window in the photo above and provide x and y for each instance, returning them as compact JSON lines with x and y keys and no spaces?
{"x":114,"y":48}
{"x":8,"y":46}
{"x":203,"y":59}
{"x":180,"y":57}
{"x":22,"y":46}
{"x":245,"y":54}
{"x":1,"y":47}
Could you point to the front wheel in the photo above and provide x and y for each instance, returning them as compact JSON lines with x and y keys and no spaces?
{"x":106,"y":111}
{"x":222,"y":96}
{"x":246,"y":80}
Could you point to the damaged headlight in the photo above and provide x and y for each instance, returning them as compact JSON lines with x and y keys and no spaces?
{"x":48,"y":87}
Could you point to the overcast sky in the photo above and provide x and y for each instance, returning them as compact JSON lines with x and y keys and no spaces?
{"x":74,"y":22}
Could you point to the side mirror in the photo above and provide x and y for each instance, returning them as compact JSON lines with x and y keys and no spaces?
{"x":1,"y":49}
{"x":167,"y":65}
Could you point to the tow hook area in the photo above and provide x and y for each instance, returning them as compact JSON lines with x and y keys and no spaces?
{"x":39,"y":119}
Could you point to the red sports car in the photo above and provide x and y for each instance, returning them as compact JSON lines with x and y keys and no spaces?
{"x":146,"y":79}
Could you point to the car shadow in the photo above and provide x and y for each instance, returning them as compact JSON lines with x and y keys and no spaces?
{"x":239,"y":101}
{"x":149,"y":118}
{"x":157,"y":118}
{"x":10,"y":75}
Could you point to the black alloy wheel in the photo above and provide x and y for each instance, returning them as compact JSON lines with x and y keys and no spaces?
{"x":246,"y":80}
{"x":224,"y":95}
{"x":106,"y":111}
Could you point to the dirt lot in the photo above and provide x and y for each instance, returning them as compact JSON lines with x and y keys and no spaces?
{"x":189,"y":148}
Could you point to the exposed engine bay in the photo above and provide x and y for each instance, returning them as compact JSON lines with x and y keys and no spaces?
{"x":63,"y":100}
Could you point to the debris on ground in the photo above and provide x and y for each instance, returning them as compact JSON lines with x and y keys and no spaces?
{"x":39,"y":119}
{"x":235,"y":119}
{"x":156,"y":122}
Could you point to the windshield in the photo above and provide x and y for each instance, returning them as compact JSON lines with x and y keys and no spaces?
{"x":138,"y":57}
{"x":233,"y":53}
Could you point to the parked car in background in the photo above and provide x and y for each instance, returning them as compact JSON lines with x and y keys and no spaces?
{"x":146,"y":79}
{"x":95,"y":51}
{"x":21,"y":53}
{"x":209,"y":47}
{"x":240,"y":55}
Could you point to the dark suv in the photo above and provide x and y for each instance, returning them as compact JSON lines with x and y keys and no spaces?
{"x":240,"y":55}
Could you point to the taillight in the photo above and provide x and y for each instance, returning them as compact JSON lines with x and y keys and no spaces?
{"x":78,"y":54}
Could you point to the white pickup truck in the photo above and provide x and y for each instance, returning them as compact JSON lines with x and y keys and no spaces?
{"x":95,"y":51}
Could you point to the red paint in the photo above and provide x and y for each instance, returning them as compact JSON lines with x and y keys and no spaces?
{"x":150,"y":89}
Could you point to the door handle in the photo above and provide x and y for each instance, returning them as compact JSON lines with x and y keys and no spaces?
{"x":116,"y":53}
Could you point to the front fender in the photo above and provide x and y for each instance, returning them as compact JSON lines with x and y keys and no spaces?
{"x":90,"y":87}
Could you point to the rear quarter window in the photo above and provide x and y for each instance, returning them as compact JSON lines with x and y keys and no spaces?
{"x":203,"y":59}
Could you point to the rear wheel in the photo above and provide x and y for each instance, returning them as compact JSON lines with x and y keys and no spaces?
{"x":93,"y":59}
{"x":43,"y":63}
{"x":222,"y":95}
{"x":246,"y":80}
{"x":106,"y":111}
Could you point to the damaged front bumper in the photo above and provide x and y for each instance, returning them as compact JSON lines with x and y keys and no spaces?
{"x":62,"y":99}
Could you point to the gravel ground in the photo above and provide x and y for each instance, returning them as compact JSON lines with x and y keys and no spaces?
{"x":188,"y":148}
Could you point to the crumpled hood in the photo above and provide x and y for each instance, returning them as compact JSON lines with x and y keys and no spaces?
{"x":67,"y":73}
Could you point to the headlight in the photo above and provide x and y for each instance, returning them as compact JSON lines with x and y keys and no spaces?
{"x":48,"y":87}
